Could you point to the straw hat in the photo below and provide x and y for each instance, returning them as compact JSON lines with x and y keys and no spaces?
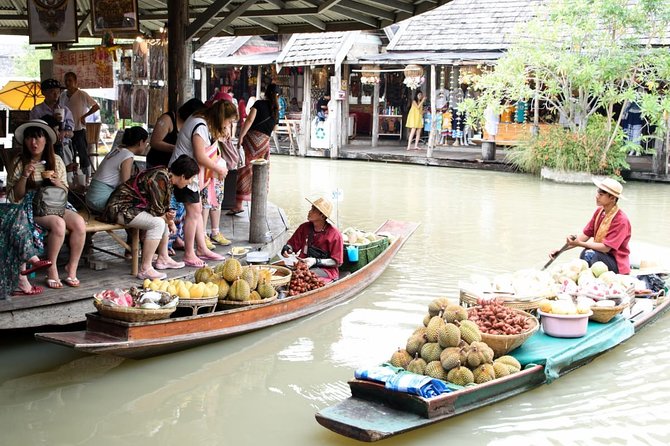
{"x":18,"y":134}
{"x":324,"y":206}
{"x":611,"y":186}
{"x":650,"y":267}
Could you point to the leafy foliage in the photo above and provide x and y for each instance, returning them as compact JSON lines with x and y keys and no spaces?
{"x":583,"y":59}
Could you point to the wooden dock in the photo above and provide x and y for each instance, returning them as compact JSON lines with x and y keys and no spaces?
{"x":69,"y":305}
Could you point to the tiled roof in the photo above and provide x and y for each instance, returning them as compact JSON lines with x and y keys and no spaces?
{"x":464,"y":25}
{"x":317,"y":49}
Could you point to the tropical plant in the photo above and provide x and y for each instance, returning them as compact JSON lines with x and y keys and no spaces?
{"x":582,"y":59}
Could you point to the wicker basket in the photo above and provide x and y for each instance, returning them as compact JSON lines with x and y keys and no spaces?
{"x":227,"y":304}
{"x":605,"y":314}
{"x":282,"y":275}
{"x":132,"y":314}
{"x":503,"y":344}
{"x":469,"y":299}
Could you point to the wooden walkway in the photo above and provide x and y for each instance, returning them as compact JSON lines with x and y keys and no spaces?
{"x":68,"y":305}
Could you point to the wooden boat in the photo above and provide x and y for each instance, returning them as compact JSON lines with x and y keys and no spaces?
{"x":374,"y":413}
{"x":141,"y":339}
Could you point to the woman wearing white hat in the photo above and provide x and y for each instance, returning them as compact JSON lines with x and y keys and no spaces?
{"x":319,"y":243}
{"x":609,"y":228}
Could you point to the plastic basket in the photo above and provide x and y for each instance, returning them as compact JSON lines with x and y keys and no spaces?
{"x":366,"y":254}
{"x":132,"y":314}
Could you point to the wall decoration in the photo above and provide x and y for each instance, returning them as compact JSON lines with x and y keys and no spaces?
{"x":157,"y":56}
{"x":115,"y":15}
{"x":126,"y":68}
{"x":93,"y":67}
{"x":140,"y":60}
{"x":140,"y":103}
{"x":52,"y":21}
{"x":125,"y":101}
{"x":157,"y":104}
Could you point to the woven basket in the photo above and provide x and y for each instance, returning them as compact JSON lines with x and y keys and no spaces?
{"x":226,"y":304}
{"x":132,"y":314}
{"x":468,"y":299}
{"x":605,"y":314}
{"x":503,"y":344}
{"x":413,"y":70}
{"x":282,"y":275}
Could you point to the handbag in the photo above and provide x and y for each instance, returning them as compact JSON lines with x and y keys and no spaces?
{"x":49,"y":200}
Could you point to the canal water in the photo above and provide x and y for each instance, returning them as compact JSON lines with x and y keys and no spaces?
{"x":265,"y":387}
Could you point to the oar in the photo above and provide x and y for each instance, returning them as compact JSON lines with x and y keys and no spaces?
{"x":558,"y":253}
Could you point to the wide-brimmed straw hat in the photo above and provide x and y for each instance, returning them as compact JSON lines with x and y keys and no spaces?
{"x":18,"y":134}
{"x":650,"y":267}
{"x":610,"y":185}
{"x":324,"y":206}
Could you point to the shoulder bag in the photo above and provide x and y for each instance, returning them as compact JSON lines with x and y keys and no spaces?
{"x":49,"y":200}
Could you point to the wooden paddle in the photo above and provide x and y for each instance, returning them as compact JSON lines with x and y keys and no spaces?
{"x":558,"y":253}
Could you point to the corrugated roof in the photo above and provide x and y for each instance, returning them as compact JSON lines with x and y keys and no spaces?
{"x":317,"y":49}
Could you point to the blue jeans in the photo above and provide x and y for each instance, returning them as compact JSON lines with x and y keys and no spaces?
{"x":592,"y":257}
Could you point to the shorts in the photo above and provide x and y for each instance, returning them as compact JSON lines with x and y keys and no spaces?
{"x":186,"y":195}
{"x":205,"y":198}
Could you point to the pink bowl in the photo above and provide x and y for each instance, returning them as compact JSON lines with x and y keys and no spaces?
{"x":564,"y":325}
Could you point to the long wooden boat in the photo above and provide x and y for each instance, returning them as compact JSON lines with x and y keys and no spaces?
{"x":374,"y":413}
{"x":141,"y":339}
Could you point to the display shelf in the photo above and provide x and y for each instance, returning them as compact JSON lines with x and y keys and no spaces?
{"x":390,"y":125}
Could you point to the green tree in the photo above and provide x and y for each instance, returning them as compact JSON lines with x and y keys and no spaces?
{"x":586,"y":57}
{"x":28,"y":63}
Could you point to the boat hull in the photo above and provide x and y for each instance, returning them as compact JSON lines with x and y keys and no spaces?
{"x":142,"y":339}
{"x":374,"y":413}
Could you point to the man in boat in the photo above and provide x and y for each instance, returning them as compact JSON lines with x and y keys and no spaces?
{"x":319,"y":244}
{"x":610,"y":229}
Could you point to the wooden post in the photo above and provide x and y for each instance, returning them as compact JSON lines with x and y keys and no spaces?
{"x":344,"y":133}
{"x":536,"y":109}
{"x":258,"y":226}
{"x":433,"y":112}
{"x":375,"y":115}
{"x":178,"y":54}
{"x":306,"y":122}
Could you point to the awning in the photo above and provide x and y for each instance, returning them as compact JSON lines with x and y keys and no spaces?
{"x":427,"y":58}
{"x":245,"y":59}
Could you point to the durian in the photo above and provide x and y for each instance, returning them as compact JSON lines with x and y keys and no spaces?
{"x":434,"y":369}
{"x":400,"y":358}
{"x":469,"y":331}
{"x":460,"y":376}
{"x":431,"y":351}
{"x":484,"y":373}
{"x":417,"y":365}
{"x":232,"y":270}
{"x":414,"y":344}
{"x":449,"y":335}
{"x":239,"y":291}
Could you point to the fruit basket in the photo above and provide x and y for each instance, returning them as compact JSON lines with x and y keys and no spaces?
{"x":469,"y":298}
{"x":281,"y":275}
{"x":606,"y":314}
{"x":503,"y":344}
{"x":564,"y":325}
{"x":227,"y":304}
{"x":132,"y":314}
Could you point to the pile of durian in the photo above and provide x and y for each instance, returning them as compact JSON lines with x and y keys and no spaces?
{"x":237,"y":282}
{"x":449,"y":347}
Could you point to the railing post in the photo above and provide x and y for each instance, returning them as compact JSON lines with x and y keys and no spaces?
{"x":259,"y":201}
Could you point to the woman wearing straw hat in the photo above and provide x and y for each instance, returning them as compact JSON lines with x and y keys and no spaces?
{"x":319,"y":243}
{"x":609,"y":228}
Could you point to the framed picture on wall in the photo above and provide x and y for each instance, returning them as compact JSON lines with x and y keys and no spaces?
{"x":114,"y":15}
{"x":52,"y":21}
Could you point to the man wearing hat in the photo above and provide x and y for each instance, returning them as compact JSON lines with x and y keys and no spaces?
{"x":609,"y":228}
{"x":56,"y":115}
{"x":317,"y":242}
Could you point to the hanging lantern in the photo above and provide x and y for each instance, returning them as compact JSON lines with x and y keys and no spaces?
{"x":370,"y":75}
{"x":413,"y":71}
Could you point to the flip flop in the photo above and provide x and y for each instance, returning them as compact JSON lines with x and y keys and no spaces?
{"x":195,"y":263}
{"x":54,"y":283}
{"x":234,"y":212}
{"x":71,"y":281}
{"x":33,"y":291}
{"x":36,"y":266}
{"x":213,"y":256}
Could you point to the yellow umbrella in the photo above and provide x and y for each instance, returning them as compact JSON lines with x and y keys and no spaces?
{"x":21,"y":95}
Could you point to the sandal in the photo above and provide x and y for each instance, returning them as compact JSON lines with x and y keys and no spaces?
{"x":234,"y":212}
{"x":36,"y":266}
{"x":171,"y":264}
{"x":195,"y":263}
{"x":151,"y":274}
{"x":54,"y":283}
{"x":71,"y":281}
{"x":33,"y":291}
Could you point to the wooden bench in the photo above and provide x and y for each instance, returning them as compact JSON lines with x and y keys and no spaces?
{"x":93,"y":225}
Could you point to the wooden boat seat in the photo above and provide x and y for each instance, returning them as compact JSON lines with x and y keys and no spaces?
{"x":93,"y":225}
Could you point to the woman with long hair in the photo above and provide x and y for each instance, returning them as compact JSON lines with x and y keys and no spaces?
{"x":255,"y":139}
{"x":38,"y":164}
{"x":116,"y":168}
{"x":415,"y":119}
{"x":195,"y":140}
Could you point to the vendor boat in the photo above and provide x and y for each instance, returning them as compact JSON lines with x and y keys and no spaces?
{"x":373,"y":412}
{"x":105,"y":335}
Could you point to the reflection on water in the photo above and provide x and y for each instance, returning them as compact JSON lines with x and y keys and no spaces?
{"x":266,"y":386}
